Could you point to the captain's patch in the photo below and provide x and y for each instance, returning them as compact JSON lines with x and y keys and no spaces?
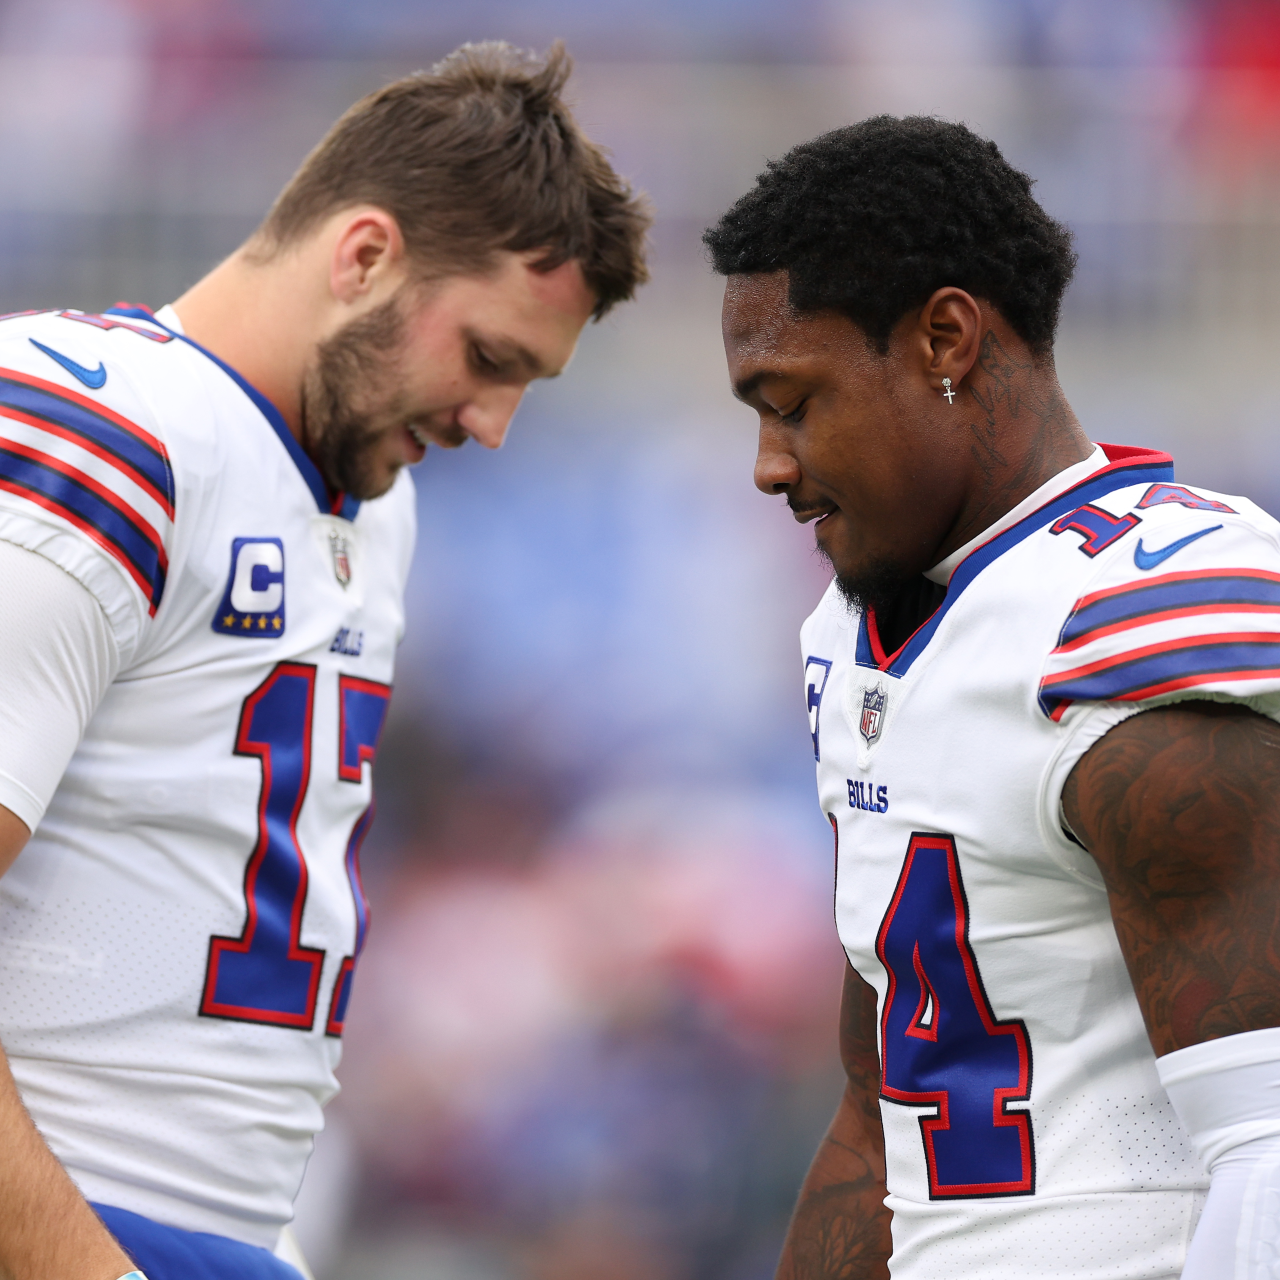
{"x":253,"y":603}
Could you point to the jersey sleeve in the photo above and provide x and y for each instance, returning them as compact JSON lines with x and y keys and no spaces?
{"x":85,"y":478}
{"x":1209,"y":627}
{"x":60,"y":656}
{"x":1191,"y":609}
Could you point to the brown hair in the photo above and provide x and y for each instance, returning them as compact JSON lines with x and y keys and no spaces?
{"x":477,"y":155}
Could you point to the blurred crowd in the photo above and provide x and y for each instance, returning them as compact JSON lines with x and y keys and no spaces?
{"x":593,"y":1034}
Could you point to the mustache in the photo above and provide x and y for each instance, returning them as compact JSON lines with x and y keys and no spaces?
{"x":800,"y":508}
{"x":448,"y":435}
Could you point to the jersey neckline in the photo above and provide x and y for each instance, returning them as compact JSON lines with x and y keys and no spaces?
{"x":335,"y":504}
{"x":1127,"y":465}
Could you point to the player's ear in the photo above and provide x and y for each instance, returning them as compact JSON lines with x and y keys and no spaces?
{"x":948,"y":335}
{"x":368,"y":247}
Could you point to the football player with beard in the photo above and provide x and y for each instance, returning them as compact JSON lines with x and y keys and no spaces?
{"x":206,"y":521}
{"x":1043,"y":689}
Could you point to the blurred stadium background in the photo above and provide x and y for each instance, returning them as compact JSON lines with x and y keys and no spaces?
{"x":593,"y":1036}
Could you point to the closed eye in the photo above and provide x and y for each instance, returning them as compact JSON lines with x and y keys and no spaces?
{"x":483,"y":362}
{"x":796,"y":416}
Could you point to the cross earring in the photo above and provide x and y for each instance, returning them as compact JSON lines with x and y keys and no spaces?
{"x":946,"y":391}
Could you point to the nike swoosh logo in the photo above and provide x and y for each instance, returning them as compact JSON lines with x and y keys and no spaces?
{"x":92,"y":378}
{"x":1145,"y":559}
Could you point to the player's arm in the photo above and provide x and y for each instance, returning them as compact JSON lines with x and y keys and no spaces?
{"x":47,"y":1230}
{"x":13,"y":835}
{"x":840,"y":1228}
{"x":1180,"y":806}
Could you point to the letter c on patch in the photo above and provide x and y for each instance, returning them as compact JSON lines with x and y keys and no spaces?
{"x":258,"y":583}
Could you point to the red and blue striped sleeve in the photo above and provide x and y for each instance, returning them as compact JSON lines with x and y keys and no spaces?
{"x":85,"y":477}
{"x":1209,"y":627}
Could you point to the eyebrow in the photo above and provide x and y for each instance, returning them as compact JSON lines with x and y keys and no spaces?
{"x":522,"y":355}
{"x":745,"y":386}
{"x":509,"y":351}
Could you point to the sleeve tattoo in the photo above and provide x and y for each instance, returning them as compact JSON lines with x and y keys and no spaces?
{"x":1180,"y":807}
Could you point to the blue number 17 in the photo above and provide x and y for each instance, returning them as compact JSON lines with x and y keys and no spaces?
{"x":265,"y":974}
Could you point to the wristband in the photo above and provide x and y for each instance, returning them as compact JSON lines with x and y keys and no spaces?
{"x":133,"y":1275}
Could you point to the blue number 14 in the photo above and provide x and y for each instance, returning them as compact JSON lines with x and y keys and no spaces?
{"x":265,"y":974}
{"x":942,"y":1046}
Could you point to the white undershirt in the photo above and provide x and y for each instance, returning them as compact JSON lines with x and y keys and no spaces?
{"x":1060,"y":483}
{"x":59,"y":656}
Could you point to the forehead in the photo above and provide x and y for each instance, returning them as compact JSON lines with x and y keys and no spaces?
{"x":756,"y":315}
{"x":535,"y":316}
{"x":764,"y":336}
{"x":515,"y":290}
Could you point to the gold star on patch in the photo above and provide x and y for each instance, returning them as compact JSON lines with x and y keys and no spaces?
{"x":229,"y":620}
{"x":262,"y":623}
{"x":248,"y":622}
{"x":275,"y":622}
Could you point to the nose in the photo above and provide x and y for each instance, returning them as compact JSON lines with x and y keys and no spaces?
{"x":776,"y":468}
{"x":486,"y":418}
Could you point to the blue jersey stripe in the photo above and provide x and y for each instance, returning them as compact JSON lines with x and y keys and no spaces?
{"x":133,"y":546}
{"x":864,"y":655}
{"x":1153,"y":673}
{"x":1151,"y":468}
{"x":346,"y":506}
{"x":1142,"y":599}
{"x":149,"y":465}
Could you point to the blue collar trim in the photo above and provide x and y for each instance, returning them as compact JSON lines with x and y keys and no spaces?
{"x":339,"y":504}
{"x":1132,"y":466}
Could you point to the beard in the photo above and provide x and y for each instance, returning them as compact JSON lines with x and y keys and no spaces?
{"x":343,"y":416}
{"x":873,"y":588}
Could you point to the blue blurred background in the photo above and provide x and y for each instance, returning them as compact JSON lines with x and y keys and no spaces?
{"x":593,"y":1036}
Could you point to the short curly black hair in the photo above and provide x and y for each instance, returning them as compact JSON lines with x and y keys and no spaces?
{"x":870,"y":219}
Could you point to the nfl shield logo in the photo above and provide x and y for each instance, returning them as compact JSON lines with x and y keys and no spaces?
{"x":341,"y":557}
{"x":872,"y":713}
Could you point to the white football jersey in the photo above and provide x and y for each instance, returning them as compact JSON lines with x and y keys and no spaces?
{"x":1026,"y":1131}
{"x":177,"y":939}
